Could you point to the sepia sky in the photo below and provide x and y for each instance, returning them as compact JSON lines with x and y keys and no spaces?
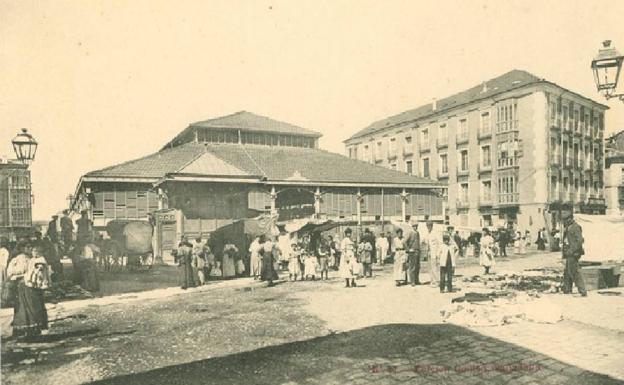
{"x":101,"y":82}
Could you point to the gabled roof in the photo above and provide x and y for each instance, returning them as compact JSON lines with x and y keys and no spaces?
{"x":249,"y":121}
{"x":509,"y":81}
{"x":243,"y":121}
{"x":296,"y":165}
{"x":153,"y":165}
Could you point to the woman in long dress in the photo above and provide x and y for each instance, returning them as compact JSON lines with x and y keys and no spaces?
{"x":185,"y":268}
{"x":294,"y":268}
{"x":348,"y":261}
{"x":400,"y":259}
{"x":30,"y":316}
{"x":255,"y":259}
{"x":268,"y":268}
{"x":486,"y":256}
{"x":229,"y":256}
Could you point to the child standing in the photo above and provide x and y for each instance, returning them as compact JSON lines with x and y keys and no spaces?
{"x":310,"y":266}
{"x":323,"y":253}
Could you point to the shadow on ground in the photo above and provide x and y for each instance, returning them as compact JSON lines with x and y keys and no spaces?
{"x":438,"y":353}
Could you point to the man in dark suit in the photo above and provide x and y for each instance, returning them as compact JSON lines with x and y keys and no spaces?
{"x":571,"y":251}
{"x":412,"y":245}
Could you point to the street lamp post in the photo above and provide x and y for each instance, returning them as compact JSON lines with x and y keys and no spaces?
{"x":607,"y":65}
{"x":25,"y":147}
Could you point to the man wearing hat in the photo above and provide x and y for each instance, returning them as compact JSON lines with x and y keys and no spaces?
{"x":52,"y":232}
{"x":67,"y":229}
{"x":412,"y":245}
{"x":85,"y":227}
{"x":572,"y":250}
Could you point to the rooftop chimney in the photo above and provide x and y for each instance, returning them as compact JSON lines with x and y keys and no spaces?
{"x":434,"y":104}
{"x":485,"y":88}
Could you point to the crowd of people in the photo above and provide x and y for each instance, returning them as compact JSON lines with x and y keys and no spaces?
{"x":32,"y":265}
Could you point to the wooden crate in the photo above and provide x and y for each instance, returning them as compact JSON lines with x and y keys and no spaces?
{"x":597,"y":277}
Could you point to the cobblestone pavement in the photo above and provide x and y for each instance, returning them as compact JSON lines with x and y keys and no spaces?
{"x":320,"y":333}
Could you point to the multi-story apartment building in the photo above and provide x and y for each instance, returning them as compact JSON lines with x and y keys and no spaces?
{"x":614,"y":174}
{"x":510,"y":149}
{"x":15,"y":200}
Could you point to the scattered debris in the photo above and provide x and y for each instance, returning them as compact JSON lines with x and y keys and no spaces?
{"x":534,"y":280}
{"x":607,"y":292}
{"x":500,"y":308}
{"x":83,"y":350}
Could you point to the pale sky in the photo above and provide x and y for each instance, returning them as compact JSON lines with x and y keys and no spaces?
{"x":101,"y":82}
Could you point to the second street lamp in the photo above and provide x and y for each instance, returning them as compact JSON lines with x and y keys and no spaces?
{"x":606,"y":67}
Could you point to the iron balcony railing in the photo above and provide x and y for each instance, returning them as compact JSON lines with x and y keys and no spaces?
{"x":508,"y":198}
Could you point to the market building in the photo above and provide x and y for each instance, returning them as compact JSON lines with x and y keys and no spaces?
{"x":511,"y":150}
{"x":614,"y":174}
{"x":241,"y":166}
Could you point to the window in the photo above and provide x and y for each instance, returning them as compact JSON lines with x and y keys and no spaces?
{"x":424,"y":143}
{"x":507,"y":153}
{"x":552,"y":112}
{"x":507,"y":189}
{"x":485,"y":122}
{"x":425,"y":168}
{"x":462,"y":130}
{"x":378,"y":152}
{"x":366,"y":153}
{"x":393,"y":166}
{"x":463,"y":193}
{"x":486,"y":191}
{"x":408,"y":140}
{"x":392,"y":150}
{"x":355,"y":154}
{"x":486,"y":158}
{"x":442,"y":135}
{"x":408,"y":166}
{"x":444,"y":163}
{"x":464,"y":160}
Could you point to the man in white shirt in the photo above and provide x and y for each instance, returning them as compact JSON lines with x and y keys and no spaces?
{"x":382,"y":248}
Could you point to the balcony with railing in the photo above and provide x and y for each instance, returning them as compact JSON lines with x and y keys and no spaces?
{"x":485,"y":132}
{"x":507,"y":162}
{"x":442,"y":175}
{"x":587,"y":132}
{"x":482,"y":168}
{"x":555,"y":158}
{"x":568,"y":161}
{"x":408,"y":149}
{"x":392,"y":154}
{"x":462,"y":137}
{"x":462,"y":203}
{"x":506,"y":126}
{"x":424,"y":146}
{"x":442,"y":141}
{"x":554,"y":195}
{"x":485,"y":200}
{"x":463,"y":171}
{"x":508,"y":198}
{"x":582,"y":197}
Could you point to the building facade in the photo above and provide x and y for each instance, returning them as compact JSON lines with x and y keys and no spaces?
{"x":510,"y":150}
{"x":614,"y":174}
{"x":15,"y":200}
{"x":244,"y":165}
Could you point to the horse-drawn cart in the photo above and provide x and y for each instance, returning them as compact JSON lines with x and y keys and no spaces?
{"x":129,"y":245}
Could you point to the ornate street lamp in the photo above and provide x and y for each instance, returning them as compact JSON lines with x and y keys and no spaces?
{"x":25,"y":147}
{"x":606,"y":67}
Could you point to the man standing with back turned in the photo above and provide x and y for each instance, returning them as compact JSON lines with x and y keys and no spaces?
{"x":572,"y":251}
{"x":412,"y":245}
